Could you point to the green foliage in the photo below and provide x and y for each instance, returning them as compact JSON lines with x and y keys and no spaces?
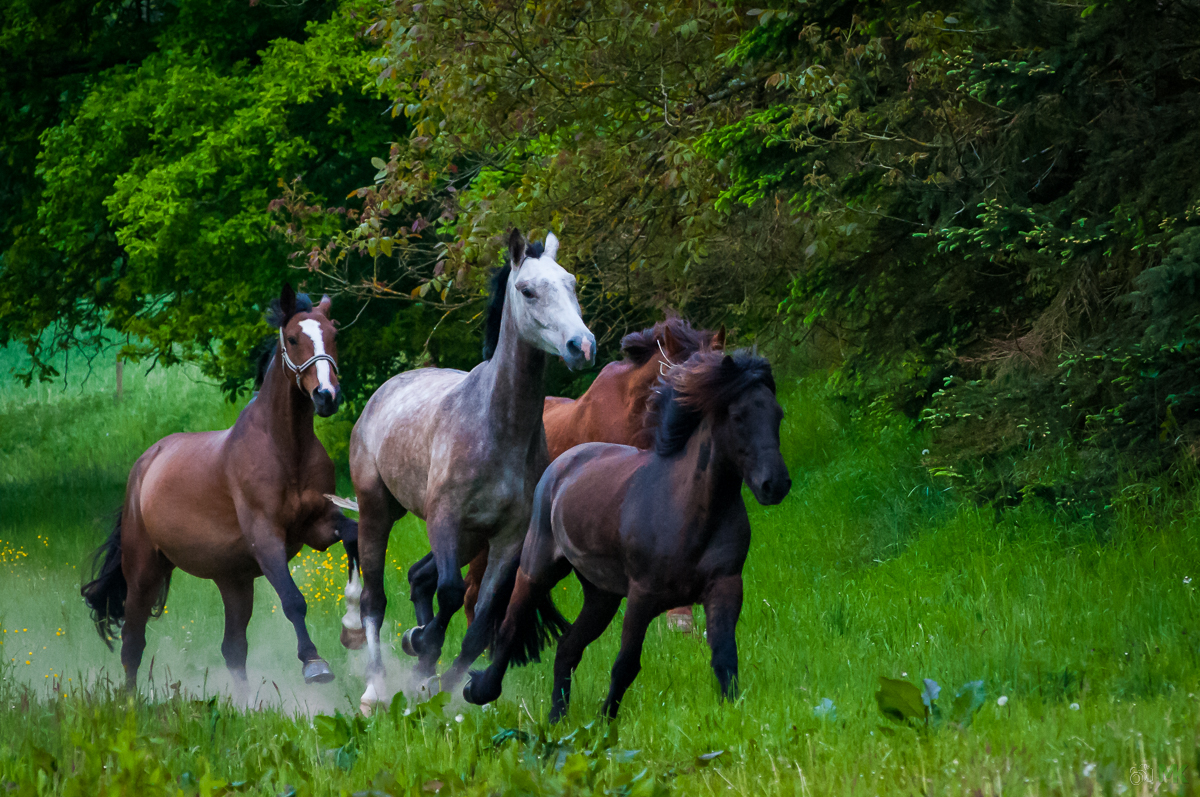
{"x":549,"y":118}
{"x":146,"y":208}
{"x":990,"y":194}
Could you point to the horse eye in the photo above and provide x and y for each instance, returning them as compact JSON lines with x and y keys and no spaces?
{"x":527,"y":293}
{"x":292,"y":340}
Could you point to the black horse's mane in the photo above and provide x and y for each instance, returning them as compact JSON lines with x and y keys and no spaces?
{"x":706,"y":383}
{"x":276,"y":318}
{"x":495,"y":311}
{"x":639,"y":347}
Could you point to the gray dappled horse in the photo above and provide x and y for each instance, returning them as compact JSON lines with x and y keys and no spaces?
{"x":464,"y":451}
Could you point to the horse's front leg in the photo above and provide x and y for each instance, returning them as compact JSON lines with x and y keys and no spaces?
{"x":640,"y":609}
{"x":504,"y":557}
{"x":722,"y":607}
{"x":267,"y":542}
{"x":426,"y":639}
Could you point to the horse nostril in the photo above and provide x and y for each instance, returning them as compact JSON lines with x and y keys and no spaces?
{"x":573,"y":346}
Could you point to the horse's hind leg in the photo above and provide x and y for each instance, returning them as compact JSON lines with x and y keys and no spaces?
{"x":599,"y":607}
{"x":426,"y":639}
{"x":475,"y":573}
{"x":377,"y":511}
{"x":638,"y":614}
{"x":422,"y":584}
{"x":147,"y":572}
{"x":238,"y":596}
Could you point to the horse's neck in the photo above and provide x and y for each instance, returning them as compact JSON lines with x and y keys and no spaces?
{"x":518,"y":385}
{"x":283,"y":412}
{"x":638,"y":383}
{"x":710,"y":479}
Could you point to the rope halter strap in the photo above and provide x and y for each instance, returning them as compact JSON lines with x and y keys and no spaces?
{"x":665,"y":363}
{"x":299,"y":369}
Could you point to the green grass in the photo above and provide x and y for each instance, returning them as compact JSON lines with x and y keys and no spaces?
{"x":869,"y":568}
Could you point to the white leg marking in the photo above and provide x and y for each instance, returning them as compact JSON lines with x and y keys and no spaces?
{"x":353,"y":592}
{"x":313,"y":330}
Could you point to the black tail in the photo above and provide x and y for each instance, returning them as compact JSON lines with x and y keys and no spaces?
{"x":541,"y":630}
{"x":545,"y":625}
{"x":105,"y":593}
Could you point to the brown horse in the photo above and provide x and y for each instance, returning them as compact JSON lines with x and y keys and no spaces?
{"x":613,"y":411}
{"x":661,"y":527}
{"x":233,"y":505}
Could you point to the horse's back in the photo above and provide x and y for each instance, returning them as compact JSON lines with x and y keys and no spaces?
{"x":394,"y":436}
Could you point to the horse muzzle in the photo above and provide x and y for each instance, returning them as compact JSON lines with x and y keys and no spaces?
{"x":580,"y":351}
{"x":326,"y":402}
{"x":771,"y":488}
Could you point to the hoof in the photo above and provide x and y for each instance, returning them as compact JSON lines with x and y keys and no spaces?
{"x":317,"y":672}
{"x":680,"y":620}
{"x":406,"y":641}
{"x":369,"y":700}
{"x":353,"y":638}
{"x":473,"y":692}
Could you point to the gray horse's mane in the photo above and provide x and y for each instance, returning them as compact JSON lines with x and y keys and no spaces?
{"x":491,"y":337}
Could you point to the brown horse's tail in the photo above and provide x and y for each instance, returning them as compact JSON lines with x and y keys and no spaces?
{"x":542,"y":627}
{"x":105,"y":593}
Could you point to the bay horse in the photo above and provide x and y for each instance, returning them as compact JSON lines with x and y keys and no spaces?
{"x":659,"y":527}
{"x":464,"y":452}
{"x":233,"y":505}
{"x":613,"y":410}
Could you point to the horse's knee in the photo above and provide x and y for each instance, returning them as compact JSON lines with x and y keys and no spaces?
{"x":450,"y":593}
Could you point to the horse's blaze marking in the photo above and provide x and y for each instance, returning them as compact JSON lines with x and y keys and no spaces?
{"x":313,"y":329}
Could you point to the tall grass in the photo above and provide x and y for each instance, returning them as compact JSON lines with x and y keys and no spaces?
{"x":1087,"y":643}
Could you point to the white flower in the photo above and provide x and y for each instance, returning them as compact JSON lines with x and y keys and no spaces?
{"x":1074,"y":706}
{"x":1002,"y":700}
{"x":458,"y":717}
{"x":1088,"y":769}
{"x":1187,"y":579}
{"x":903,"y":675}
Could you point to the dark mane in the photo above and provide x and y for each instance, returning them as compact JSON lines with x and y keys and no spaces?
{"x":706,"y":383}
{"x":495,"y":311}
{"x":639,"y":347}
{"x":266,"y":350}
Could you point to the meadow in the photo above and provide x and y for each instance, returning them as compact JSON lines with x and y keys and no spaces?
{"x":1067,"y":651}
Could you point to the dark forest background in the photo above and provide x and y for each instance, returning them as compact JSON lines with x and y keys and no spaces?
{"x":984,"y":214}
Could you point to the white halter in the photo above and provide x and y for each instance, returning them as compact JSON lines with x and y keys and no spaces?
{"x":299,"y":369}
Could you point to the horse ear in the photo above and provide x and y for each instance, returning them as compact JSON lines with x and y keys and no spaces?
{"x":718,"y":340}
{"x":727,"y":362}
{"x":287,"y":301}
{"x":551,"y":246}
{"x":669,"y":343}
{"x":516,"y":248}
{"x":324,"y":306}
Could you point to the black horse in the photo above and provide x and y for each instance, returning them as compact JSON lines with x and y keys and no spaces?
{"x":663,"y":528}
